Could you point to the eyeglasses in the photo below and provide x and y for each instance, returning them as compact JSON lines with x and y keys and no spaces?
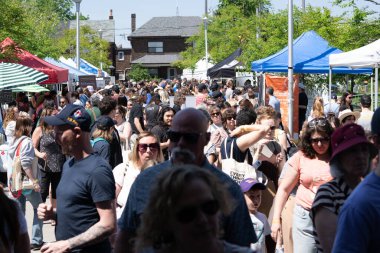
{"x":324,"y":140}
{"x":231,"y":118}
{"x":317,"y":122}
{"x":215,"y":114}
{"x":190,"y":138}
{"x":152,"y":146}
{"x":189,"y":213}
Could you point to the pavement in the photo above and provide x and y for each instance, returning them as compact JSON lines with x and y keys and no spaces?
{"x":48,"y":230}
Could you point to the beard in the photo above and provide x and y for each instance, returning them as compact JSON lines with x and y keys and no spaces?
{"x":181,"y":156}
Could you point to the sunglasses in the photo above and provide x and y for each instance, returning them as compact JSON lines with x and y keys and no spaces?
{"x":350,"y":97}
{"x":191,"y":138}
{"x":189,"y":213}
{"x":322,"y":140}
{"x":152,"y":146}
{"x":231,"y":118}
{"x":272,"y":128}
{"x":215,"y":114}
{"x":317,"y":122}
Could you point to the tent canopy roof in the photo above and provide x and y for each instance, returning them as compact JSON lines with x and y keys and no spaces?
{"x":310,"y":55}
{"x":366,"y":56}
{"x":226,"y":68}
{"x":56,"y":74}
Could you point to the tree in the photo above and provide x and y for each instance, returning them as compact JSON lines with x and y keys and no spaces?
{"x":92,"y":48}
{"x":248,"y":7}
{"x":138,"y":73}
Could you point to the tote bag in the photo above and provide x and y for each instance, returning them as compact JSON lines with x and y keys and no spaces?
{"x":240,"y":170}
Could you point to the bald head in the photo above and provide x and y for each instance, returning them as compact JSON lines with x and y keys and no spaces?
{"x":191,"y":119}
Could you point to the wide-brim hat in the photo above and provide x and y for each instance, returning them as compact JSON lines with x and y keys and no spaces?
{"x":347,"y":112}
{"x":348,"y":136}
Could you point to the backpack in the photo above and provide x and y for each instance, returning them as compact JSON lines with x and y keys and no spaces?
{"x":94,"y":141}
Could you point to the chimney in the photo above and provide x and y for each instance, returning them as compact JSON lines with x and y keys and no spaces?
{"x":133,"y":22}
{"x":111,"y":15}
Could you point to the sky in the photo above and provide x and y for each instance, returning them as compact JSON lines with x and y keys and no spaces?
{"x":146,"y":9}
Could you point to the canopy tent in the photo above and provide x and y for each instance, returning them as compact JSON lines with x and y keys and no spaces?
{"x":30,"y":88}
{"x":16,"y":75}
{"x":85,"y":66}
{"x":56,"y":74}
{"x":73,"y":72}
{"x":311,"y":55}
{"x":226,"y":68}
{"x":199,"y":72}
{"x":366,"y":56}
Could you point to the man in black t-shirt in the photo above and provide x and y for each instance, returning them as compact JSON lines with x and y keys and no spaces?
{"x":136,"y":117}
{"x":85,"y":211}
{"x":151,"y":112}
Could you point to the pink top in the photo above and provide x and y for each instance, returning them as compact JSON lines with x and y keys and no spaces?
{"x":312,"y":173}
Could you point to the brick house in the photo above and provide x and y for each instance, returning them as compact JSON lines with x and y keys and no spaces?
{"x":157,"y":43}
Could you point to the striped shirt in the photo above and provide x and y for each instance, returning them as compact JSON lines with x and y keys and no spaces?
{"x":332,"y":196}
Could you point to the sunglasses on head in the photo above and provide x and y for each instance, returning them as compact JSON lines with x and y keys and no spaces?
{"x":317,"y":122}
{"x":152,"y":146}
{"x":189,"y":137}
{"x":322,"y":140}
{"x":189,"y":213}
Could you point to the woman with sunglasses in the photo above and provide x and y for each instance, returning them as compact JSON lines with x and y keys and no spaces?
{"x":183,"y":214}
{"x":165,"y":118}
{"x":349,"y":164}
{"x":309,"y":169}
{"x":145,"y":153}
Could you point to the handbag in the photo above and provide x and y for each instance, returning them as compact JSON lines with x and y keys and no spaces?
{"x":292,"y":148}
{"x":240,"y":170}
{"x":19,"y":181}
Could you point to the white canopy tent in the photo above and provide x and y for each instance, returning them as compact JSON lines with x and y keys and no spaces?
{"x":366,"y":56}
{"x":200,"y":70}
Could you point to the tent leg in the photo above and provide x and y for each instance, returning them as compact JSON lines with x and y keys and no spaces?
{"x":264,"y":88}
{"x":330,"y":83}
{"x":372,"y":97}
{"x":376,"y":85}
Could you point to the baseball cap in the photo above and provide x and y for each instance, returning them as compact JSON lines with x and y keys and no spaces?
{"x":105,"y":123}
{"x":72,"y":115}
{"x":348,"y":136}
{"x":248,"y":183}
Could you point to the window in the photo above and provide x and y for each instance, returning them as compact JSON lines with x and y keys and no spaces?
{"x":153,"y":72}
{"x":155,"y":47}
{"x":120,"y":56}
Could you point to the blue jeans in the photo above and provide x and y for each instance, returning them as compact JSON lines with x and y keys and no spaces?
{"x":35,"y":199}
{"x":303,"y":240}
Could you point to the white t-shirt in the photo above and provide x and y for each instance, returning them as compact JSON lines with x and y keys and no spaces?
{"x":262,"y":229}
{"x":365,"y":120}
{"x":124,"y":176}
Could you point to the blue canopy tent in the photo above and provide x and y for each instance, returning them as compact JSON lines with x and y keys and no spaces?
{"x":311,"y":55}
{"x":73,"y":72}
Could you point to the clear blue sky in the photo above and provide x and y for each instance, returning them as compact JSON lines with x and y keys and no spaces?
{"x":146,"y":9}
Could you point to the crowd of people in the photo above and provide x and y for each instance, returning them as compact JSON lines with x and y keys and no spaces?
{"x":124,"y":169}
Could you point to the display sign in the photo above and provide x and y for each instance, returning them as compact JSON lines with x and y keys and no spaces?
{"x":85,"y":81}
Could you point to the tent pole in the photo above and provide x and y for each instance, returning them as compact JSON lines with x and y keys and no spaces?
{"x":376,"y":85}
{"x":290,"y":66}
{"x":264,"y":88}
{"x":330,"y":83}
{"x":372,"y":93}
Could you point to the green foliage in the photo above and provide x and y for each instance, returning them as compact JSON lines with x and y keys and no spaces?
{"x":248,"y":7}
{"x":138,"y":73}
{"x":92,"y":48}
{"x":263,"y":35}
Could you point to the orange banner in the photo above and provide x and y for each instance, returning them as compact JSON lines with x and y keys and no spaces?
{"x":280,"y":87}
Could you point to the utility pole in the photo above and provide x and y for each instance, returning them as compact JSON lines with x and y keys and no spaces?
{"x":205,"y":19}
{"x":290,"y":66}
{"x":303,"y":6}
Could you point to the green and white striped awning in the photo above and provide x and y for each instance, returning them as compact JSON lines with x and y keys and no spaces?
{"x":30,"y":88}
{"x":16,"y":75}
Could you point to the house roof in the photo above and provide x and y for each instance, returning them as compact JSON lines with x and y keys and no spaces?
{"x":107,"y":27}
{"x":157,"y":59}
{"x":177,"y":26}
